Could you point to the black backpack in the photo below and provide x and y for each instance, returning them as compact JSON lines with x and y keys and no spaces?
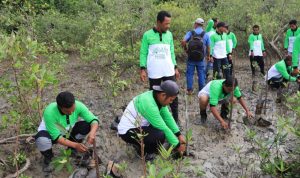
{"x":196,"y":46}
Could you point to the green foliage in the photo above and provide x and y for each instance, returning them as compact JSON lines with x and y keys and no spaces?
{"x":63,"y":161}
{"x":30,"y":69}
{"x":17,"y":159}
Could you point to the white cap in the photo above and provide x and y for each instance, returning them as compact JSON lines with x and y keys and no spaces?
{"x":199,"y":21}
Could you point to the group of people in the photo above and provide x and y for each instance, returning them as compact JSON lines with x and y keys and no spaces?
{"x":148,"y":112}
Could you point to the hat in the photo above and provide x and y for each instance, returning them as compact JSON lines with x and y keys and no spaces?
{"x":199,"y":21}
{"x":221,"y":24}
{"x":169,"y":87}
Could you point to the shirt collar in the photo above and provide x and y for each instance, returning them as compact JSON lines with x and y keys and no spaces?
{"x":295,"y":29}
{"x":156,"y":31}
{"x":156,"y":101}
{"x":60,"y":110}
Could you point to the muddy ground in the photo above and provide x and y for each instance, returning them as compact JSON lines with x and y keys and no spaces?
{"x":214,"y":149}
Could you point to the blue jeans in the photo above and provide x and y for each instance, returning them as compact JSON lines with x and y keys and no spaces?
{"x":221,"y":65}
{"x":190,"y":69}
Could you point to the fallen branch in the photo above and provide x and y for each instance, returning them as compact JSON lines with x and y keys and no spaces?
{"x":27,"y":164}
{"x":15,"y":137}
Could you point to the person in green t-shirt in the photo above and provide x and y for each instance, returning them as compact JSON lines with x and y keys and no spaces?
{"x":149,"y":112}
{"x":218,"y":91}
{"x":157,"y":56}
{"x":60,"y":119}
{"x":232,"y":45}
{"x":290,"y":37}
{"x":257,"y":50}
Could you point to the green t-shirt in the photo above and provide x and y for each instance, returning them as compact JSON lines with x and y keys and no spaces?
{"x":161,"y":118}
{"x":216,"y":92}
{"x":290,"y":38}
{"x":53,"y":117}
{"x":284,"y":71}
{"x":296,"y":52}
{"x":232,"y":40}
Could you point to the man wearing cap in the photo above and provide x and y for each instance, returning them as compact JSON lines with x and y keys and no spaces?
{"x":199,"y":47}
{"x":220,"y":50}
{"x":218,"y":91}
{"x":150,"y":112}
{"x":157,"y":56}
{"x":60,"y":119}
{"x":232,"y":44}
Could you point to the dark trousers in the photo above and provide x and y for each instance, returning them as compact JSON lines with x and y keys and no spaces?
{"x":276,"y":82}
{"x":153,"y":139}
{"x":221,"y":65}
{"x":174,"y":104}
{"x":260,"y":62}
{"x":44,"y":142}
{"x":231,"y":66}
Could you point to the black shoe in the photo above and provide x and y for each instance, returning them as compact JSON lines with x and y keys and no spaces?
{"x":150,"y":157}
{"x":203,"y":118}
{"x":47,"y":167}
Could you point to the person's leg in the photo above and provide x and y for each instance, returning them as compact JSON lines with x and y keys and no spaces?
{"x":252,"y":65}
{"x":217,"y":69}
{"x":203,"y":102}
{"x":261,"y":64}
{"x":231,"y":66}
{"x":225,"y":110}
{"x":201,"y":74}
{"x":190,"y":68}
{"x":225,"y":67}
{"x":79,"y":131}
{"x":44,"y":145}
{"x":153,"y":82}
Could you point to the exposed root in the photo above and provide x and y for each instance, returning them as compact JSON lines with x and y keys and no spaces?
{"x":27,"y":164}
{"x":5,"y":140}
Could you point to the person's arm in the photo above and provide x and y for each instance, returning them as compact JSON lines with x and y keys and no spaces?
{"x":89,"y":117}
{"x":286,"y":40}
{"x":228,"y":50}
{"x":172,"y":50}
{"x":217,"y":115}
{"x":212,"y":44}
{"x":250,"y":41}
{"x":243,"y":103}
{"x":234,"y":40}
{"x":262,"y":44}
{"x":150,"y":112}
{"x":78,"y":146}
{"x":185,"y":40}
{"x":207,"y":44}
{"x":144,"y":52}
{"x":169,"y":120}
{"x":296,"y":51}
{"x":283,"y":71}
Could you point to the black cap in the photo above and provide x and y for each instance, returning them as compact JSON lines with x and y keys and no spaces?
{"x":169,"y":87}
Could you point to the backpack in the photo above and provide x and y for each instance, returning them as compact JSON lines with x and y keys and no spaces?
{"x":196,"y":47}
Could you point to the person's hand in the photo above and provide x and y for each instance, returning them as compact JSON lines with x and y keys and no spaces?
{"x":181,"y":148}
{"x":91,"y":139}
{"x":207,"y":58}
{"x":143,"y":75}
{"x":211,"y":59}
{"x":249,"y":115}
{"x":81,"y":148}
{"x":264,"y":54}
{"x":295,"y":72}
{"x":230,"y":57}
{"x":224,"y":124}
{"x":181,"y":139}
{"x":252,"y":54}
{"x":177,"y":74}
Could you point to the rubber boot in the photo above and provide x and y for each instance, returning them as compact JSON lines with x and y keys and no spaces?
{"x":48,"y":155}
{"x":224,"y":111}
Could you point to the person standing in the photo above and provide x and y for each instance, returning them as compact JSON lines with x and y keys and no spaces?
{"x":232,"y":45}
{"x":257,"y":50}
{"x":290,"y":37}
{"x":198,"y":48}
{"x":157,"y":56}
{"x":220,"y":52}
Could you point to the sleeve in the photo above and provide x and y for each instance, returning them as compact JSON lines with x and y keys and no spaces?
{"x":250,"y":41}
{"x":234,"y":40}
{"x":51,"y":126}
{"x":228,"y":50}
{"x":286,"y":40}
{"x":187,"y":36}
{"x":172,"y":50}
{"x":207,"y":40}
{"x":214,"y":95}
{"x":86,"y":114}
{"x":296,"y":51}
{"x":169,"y":120}
{"x":237,"y":92}
{"x":152,"y":114}
{"x":144,"y":51}
{"x":212,"y":44}
{"x":283,"y":71}
{"x":262,"y":44}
